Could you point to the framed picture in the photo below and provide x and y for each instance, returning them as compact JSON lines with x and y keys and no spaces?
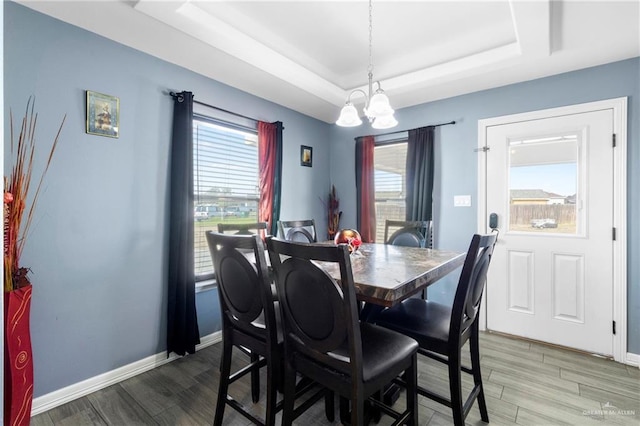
{"x":103,"y":114}
{"x":306,"y":156}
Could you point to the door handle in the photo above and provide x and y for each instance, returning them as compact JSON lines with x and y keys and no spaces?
{"x":493,"y":221}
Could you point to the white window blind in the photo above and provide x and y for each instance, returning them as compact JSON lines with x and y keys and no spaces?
{"x":225,"y":182}
{"x":389,"y":162}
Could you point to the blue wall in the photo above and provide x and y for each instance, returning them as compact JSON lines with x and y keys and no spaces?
{"x":456,"y":161}
{"x":97,"y":249}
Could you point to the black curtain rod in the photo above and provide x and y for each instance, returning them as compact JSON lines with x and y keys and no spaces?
{"x":217,"y":108}
{"x":402,"y":131}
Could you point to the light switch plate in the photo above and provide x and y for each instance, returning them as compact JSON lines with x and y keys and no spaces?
{"x":462,"y":200}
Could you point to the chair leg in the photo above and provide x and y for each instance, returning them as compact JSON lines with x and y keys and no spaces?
{"x":455,"y":387}
{"x":357,"y":409}
{"x":255,"y":379}
{"x":376,"y":413}
{"x":411,"y":378}
{"x":329,"y":405}
{"x":344,"y":410}
{"x":272,"y":394}
{"x":289,"y":394}
{"x":474,"y":347}
{"x":223,"y":386}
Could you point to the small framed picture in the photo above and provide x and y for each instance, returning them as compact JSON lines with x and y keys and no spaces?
{"x":103,"y":114}
{"x":306,"y":156}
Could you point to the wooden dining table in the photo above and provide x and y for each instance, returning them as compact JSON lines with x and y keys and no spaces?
{"x":386,"y":274}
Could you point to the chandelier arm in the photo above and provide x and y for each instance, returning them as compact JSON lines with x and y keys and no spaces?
{"x":366,"y":97}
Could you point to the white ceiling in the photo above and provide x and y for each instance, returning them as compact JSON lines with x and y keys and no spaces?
{"x":309,"y":55}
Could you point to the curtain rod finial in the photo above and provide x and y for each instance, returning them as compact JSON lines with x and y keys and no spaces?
{"x":177,"y":96}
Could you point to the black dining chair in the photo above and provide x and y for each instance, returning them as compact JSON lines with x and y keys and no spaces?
{"x":303,"y":231}
{"x":243,"y":228}
{"x":441,"y":331}
{"x":417,"y":233}
{"x":250,"y":322}
{"x":325,"y":341}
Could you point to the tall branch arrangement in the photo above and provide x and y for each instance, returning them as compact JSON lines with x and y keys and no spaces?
{"x":333,"y":215}
{"x":16,"y":192}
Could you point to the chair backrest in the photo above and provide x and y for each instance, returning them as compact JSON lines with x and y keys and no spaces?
{"x":417,"y":233}
{"x":303,"y":231}
{"x":246,"y":299}
{"x":466,"y":303}
{"x":243,"y":228}
{"x":319,"y":314}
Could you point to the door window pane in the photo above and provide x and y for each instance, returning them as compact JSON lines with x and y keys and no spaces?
{"x":543,"y":185}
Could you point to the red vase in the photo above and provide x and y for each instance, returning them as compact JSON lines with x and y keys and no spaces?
{"x":18,"y":361}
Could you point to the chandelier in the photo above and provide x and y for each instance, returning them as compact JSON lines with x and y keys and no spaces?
{"x":377,"y":108}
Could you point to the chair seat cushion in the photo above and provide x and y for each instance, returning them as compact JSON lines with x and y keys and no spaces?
{"x":425,"y":321}
{"x":383,"y":350}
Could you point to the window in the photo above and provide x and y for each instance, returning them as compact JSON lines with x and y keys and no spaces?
{"x":225,"y":182}
{"x":543,"y":184}
{"x":389,"y":162}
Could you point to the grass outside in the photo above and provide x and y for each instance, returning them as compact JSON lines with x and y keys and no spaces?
{"x":563,"y":228}
{"x":211,"y":224}
{"x":202,"y":257}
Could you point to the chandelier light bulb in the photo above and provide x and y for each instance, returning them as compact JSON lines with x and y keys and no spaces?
{"x":349,"y":116}
{"x":379,"y":105}
{"x":385,"y":122}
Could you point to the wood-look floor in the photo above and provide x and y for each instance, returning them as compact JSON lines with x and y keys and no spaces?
{"x":525,"y":383}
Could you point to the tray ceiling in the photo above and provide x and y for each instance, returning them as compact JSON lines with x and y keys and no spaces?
{"x":308,"y":55}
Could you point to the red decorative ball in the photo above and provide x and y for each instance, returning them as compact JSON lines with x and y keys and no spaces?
{"x":351,"y":237}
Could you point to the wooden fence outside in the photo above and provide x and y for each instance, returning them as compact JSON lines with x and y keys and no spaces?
{"x":523,"y":214}
{"x":387,"y":210}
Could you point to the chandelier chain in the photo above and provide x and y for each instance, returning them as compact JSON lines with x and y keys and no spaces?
{"x":370,"y":69}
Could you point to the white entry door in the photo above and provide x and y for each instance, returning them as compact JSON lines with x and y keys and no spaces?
{"x":550,"y":182}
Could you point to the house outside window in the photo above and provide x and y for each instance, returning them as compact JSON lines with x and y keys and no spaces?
{"x":225,"y":182}
{"x":389,"y":180}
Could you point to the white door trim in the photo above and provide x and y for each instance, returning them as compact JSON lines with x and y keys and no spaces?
{"x":619,"y":106}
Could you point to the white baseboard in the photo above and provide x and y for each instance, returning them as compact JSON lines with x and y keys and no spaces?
{"x":633,"y":359}
{"x":78,"y":390}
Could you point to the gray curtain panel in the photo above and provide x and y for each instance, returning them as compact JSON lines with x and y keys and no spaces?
{"x":419,"y":177}
{"x":182,"y":321}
